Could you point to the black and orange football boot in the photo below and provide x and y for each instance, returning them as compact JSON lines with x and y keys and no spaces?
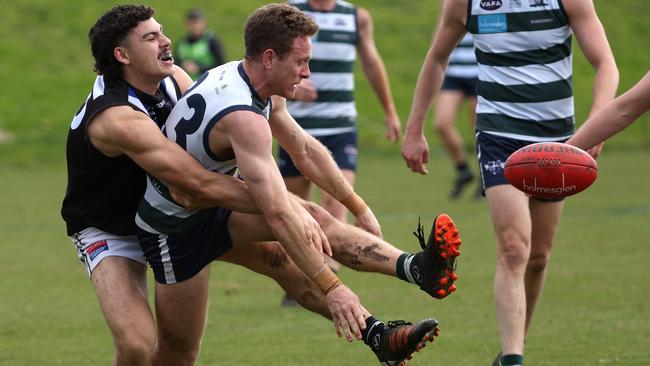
{"x":395,"y":345}
{"x":436,"y":262}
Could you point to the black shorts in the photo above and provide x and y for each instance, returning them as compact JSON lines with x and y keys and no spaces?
{"x":465,"y":85}
{"x":343,"y":148}
{"x":492,"y":152}
{"x":178,"y":257}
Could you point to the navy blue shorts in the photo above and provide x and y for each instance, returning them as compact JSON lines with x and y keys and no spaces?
{"x":492,"y":152}
{"x":178,"y":257}
{"x":342,"y":146}
{"x":465,"y":85}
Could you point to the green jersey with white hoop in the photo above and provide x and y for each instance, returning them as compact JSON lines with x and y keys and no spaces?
{"x":222,"y":90}
{"x":334,"y":52}
{"x":523,"y":49}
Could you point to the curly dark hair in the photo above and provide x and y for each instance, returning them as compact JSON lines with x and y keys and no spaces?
{"x":276,"y":26}
{"x":109,"y":31}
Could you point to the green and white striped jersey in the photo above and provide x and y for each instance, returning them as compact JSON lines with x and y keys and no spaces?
{"x":220,"y":91}
{"x":523,"y":48}
{"x":333,"y":55}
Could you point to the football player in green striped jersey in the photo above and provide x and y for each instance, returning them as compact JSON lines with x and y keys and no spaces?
{"x":525,"y":95}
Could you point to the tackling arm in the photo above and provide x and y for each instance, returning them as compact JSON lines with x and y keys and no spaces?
{"x":122,"y":130}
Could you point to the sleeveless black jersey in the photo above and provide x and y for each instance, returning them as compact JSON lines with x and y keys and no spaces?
{"x":104,"y":192}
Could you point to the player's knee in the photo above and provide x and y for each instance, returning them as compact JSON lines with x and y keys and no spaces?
{"x":132,"y":348}
{"x":537,"y":264}
{"x":274,"y":257}
{"x":177,"y":351}
{"x":443,"y":124}
{"x":441,"y":127}
{"x":513,"y":251}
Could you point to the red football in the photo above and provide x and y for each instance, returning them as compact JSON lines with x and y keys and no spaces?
{"x":551,"y":170}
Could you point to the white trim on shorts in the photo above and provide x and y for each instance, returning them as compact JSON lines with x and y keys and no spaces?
{"x":93,"y":245}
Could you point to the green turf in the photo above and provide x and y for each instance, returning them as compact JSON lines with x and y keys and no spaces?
{"x":594,"y":310}
{"x":46,"y":65}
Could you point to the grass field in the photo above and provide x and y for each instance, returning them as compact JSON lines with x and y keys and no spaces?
{"x":46,"y":60}
{"x":594,"y":310}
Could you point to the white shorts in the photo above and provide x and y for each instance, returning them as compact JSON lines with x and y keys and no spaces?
{"x":93,"y":245}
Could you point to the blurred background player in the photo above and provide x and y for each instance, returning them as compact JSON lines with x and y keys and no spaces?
{"x":458,"y":86}
{"x":324,"y":104}
{"x":200,"y":49}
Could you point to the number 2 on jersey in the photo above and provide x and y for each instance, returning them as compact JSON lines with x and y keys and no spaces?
{"x":186,"y":127}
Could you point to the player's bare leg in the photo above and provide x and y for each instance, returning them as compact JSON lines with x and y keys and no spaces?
{"x":545,"y":223}
{"x":121,"y":288}
{"x":512,"y":225}
{"x":181,"y":311}
{"x":337,"y":210}
{"x":270,"y":259}
{"x":448,"y":104}
{"x":392,"y":342}
{"x":430,"y":269}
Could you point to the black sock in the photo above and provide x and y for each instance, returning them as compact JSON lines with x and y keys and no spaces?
{"x":462,"y":166}
{"x":372,"y":334}
{"x":512,"y":360}
{"x":407,"y":269}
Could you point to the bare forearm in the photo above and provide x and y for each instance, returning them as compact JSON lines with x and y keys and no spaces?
{"x":375,"y":72}
{"x":426,"y":88}
{"x":602,"y":125}
{"x":613,"y":118}
{"x":605,"y":85}
{"x":287,"y":226}
{"x":225,"y":191}
{"x":319,"y":167}
{"x":270,"y":195}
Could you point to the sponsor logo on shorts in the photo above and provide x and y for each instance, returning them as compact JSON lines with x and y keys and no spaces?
{"x":95,"y":248}
{"x":548,"y":190}
{"x":490,"y":4}
{"x":515,"y":4}
{"x":494,"y":166}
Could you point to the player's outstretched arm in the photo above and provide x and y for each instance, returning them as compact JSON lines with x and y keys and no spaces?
{"x":616,"y":116}
{"x":375,"y":70}
{"x":252,"y":143}
{"x":451,"y":29}
{"x":315,"y":162}
{"x":122,"y":130}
